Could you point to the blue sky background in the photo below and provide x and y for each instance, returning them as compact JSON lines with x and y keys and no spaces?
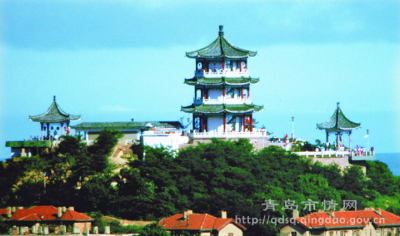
{"x":117,"y":60}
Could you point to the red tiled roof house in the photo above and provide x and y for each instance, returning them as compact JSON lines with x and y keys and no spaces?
{"x":367,"y":222}
{"x":57,"y":218}
{"x":201,"y":224}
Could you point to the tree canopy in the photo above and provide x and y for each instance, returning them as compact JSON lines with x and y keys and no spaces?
{"x":208,"y":178}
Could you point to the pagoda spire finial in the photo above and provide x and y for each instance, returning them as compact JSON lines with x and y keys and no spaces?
{"x":221,"y":30}
{"x":54,"y":98}
{"x":338,"y":104}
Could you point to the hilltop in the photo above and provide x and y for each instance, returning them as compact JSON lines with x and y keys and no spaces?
{"x":226,"y":175}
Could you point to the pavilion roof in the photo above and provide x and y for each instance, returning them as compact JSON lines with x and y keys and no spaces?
{"x":126,"y":125}
{"x":338,"y":122}
{"x":54,"y":115}
{"x":222,"y":80}
{"x":221,"y":48}
{"x":197,"y":221}
{"x":237,"y":108}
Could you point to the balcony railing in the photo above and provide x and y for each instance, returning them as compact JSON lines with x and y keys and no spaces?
{"x":222,"y":72}
{"x":367,"y":156}
{"x":232,"y":134}
{"x":324,"y":154}
{"x":222,"y":99}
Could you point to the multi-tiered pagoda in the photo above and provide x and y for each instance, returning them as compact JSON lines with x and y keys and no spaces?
{"x":222,"y":104}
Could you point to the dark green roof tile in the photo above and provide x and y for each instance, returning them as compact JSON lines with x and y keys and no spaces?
{"x":126,"y":125}
{"x":221,"y":48}
{"x":239,"y":108}
{"x":222,"y":80}
{"x":27,"y":144}
{"x":338,"y":122}
{"x":54,"y":115}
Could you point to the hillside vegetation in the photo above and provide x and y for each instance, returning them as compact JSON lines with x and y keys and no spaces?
{"x":221,"y":175}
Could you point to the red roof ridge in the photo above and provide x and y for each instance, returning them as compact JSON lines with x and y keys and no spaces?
{"x":202,"y":223}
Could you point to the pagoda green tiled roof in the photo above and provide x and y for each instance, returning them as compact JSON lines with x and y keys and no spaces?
{"x":54,"y":115}
{"x":338,"y":123}
{"x":222,"y":80}
{"x":126,"y":125}
{"x":221,"y":48}
{"x":237,"y":108}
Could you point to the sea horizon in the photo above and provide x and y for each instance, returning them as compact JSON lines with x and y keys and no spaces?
{"x":392,"y":160}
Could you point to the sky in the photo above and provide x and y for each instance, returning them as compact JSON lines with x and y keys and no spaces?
{"x":118,"y":60}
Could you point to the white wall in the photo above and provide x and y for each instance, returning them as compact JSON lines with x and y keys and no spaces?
{"x":215,"y":93}
{"x":166,"y":140}
{"x":231,"y":228}
{"x":215,"y":124}
{"x":53,"y":128}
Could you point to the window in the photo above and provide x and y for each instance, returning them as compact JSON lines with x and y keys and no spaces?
{"x":198,"y":94}
{"x":228,"y":64}
{"x":293,"y":233}
{"x":230,"y":234}
{"x":197,"y":124}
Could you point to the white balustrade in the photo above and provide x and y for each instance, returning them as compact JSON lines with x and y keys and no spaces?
{"x":324,"y":154}
{"x":231,"y":134}
{"x":221,"y":100}
{"x":222,"y":72}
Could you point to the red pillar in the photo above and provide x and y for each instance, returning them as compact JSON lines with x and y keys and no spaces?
{"x":204,"y":124}
{"x":224,"y":91}
{"x":244,"y":123}
{"x":240,"y":66}
{"x":248,"y":92}
{"x":223,"y":64}
{"x":251,"y":123}
{"x":205,"y":93}
{"x":224,"y":122}
{"x":242,"y":92}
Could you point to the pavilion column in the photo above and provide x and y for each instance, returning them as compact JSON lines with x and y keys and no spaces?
{"x":48,"y":131}
{"x":337,"y":139}
{"x":251,"y":123}
{"x":193,"y":123}
{"x":41,"y":129}
{"x":204,"y":124}
{"x":201,"y":123}
{"x":224,"y":91}
{"x":350,"y":141}
{"x":223,"y":64}
{"x":242,"y":92}
{"x":248,"y":92}
{"x":327,"y":136}
{"x":244,"y":123}
{"x":62,"y":128}
{"x":240,"y":65}
{"x":68,"y":128}
{"x":224,"y":122}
